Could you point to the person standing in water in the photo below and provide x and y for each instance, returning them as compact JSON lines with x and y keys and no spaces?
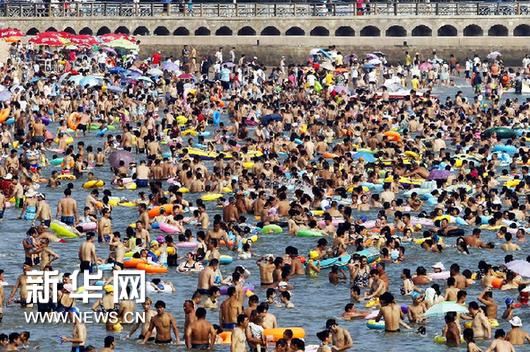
{"x":164,"y":323}
{"x":79,"y":334}
{"x":67,"y":209}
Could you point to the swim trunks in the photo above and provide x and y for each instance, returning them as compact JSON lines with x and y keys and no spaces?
{"x":32,"y":261}
{"x":163,"y":341}
{"x":203,"y":291}
{"x":81,"y":127}
{"x":398,"y":330}
{"x":78,"y":349}
{"x":46,"y":222}
{"x":85,"y":265}
{"x":19,"y":202}
{"x":200,"y":346}
{"x":229,"y":326}
{"x":142,"y":183}
{"x":68,"y":220}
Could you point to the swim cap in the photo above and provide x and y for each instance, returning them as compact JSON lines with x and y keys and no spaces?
{"x":160,"y":239}
{"x":313,"y":254}
{"x":154,"y":243}
{"x":415,"y":294}
{"x":108,"y":288}
{"x":509,"y":301}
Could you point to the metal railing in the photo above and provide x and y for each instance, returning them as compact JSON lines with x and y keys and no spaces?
{"x":116,"y":9}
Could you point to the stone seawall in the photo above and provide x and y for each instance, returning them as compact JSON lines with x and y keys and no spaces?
{"x":296,"y":50}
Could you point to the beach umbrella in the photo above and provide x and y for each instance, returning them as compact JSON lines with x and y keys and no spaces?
{"x":368,"y":66}
{"x":439,"y":174}
{"x":170,"y":66}
{"x":341,"y":89}
{"x":350,"y":58}
{"x":327,"y":66}
{"x":521,"y":267}
{"x":5,"y":95}
{"x":266,"y":119}
{"x":494,"y":55}
{"x":185,"y":76}
{"x":76,"y":79}
{"x":155,"y":72}
{"x":17,"y":88}
{"x":117,"y":70}
{"x":11,"y":32}
{"x":229,"y":64}
{"x":378,"y":53}
{"x":71,"y":47}
{"x":132,"y":74}
{"x":115,"y":89}
{"x":375,"y":62}
{"x":144,"y":78}
{"x":84,"y":40}
{"x":442,"y":308}
{"x":425,"y":66}
{"x":368,"y":157}
{"x":122,"y":44}
{"x":109,"y":50}
{"x":48,"y":40}
{"x":118,"y":155}
{"x":109,"y":37}
{"x":90,"y":81}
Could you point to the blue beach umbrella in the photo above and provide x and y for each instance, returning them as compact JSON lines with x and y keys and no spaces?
{"x":442,"y":308}
{"x":368,"y":157}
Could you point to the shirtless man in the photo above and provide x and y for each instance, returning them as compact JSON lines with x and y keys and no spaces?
{"x":207,"y":277}
{"x":21,"y":285}
{"x":200,"y":335}
{"x":377,"y":286}
{"x":269,"y":320}
{"x":47,"y":256}
{"x":517,"y":336}
{"x":142,"y":174}
{"x":266,"y":268}
{"x":87,"y":253}
{"x":341,"y":337}
{"x":119,"y":251}
{"x":149,"y":314}
{"x":230,"y":212}
{"x":239,"y":340}
{"x":109,"y":343}
{"x":460,"y":280}
{"x":474,"y":240}
{"x":500,"y":344}
{"x":451,"y":291}
{"x":509,"y":246}
{"x":189,"y":313}
{"x":104,"y":226}
{"x":486,"y":298}
{"x":79,"y":334}
{"x":229,"y":310}
{"x":390,"y":312}
{"x":217,"y":233}
{"x":452,"y":332}
{"x":44,"y":211}
{"x":164,"y":323}
{"x":67,"y":209}
{"x":480,"y":323}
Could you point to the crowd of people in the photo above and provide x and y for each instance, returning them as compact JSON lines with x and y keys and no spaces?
{"x":355,"y":153}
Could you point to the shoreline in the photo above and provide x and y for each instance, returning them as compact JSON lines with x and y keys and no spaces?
{"x":270,"y":55}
